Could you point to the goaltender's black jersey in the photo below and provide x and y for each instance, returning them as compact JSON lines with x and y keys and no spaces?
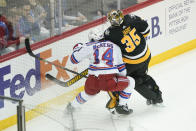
{"x":130,"y":37}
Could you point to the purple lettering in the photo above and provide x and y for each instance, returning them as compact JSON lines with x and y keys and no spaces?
{"x":155,"y":26}
{"x":14,"y":87}
{"x":19,"y":82}
{"x":4,"y":84}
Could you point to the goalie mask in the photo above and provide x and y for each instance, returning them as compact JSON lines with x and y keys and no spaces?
{"x":95,"y":35}
{"x":115,"y":17}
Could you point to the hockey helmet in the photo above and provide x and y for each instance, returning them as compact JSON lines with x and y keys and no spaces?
{"x":95,"y":35}
{"x":115,"y":17}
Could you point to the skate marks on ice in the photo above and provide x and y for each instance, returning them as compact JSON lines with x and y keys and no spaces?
{"x":93,"y":116}
{"x":134,"y":121}
{"x":55,"y":114}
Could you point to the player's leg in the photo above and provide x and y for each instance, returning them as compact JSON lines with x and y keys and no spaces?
{"x":90,"y":90}
{"x":124,"y":96}
{"x":81,"y":98}
{"x":120,"y":86}
{"x":145,"y":84}
{"x":150,"y":92}
{"x":154,"y":95}
{"x":114,"y":99}
{"x":114,"y":96}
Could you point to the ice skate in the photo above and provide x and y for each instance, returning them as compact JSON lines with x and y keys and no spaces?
{"x":123,"y":110}
{"x":156,"y":101}
{"x":153,"y":102}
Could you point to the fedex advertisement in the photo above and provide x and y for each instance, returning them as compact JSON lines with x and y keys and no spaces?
{"x":24,"y":77}
{"x":32,"y":80}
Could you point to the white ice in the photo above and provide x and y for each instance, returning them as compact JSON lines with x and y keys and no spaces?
{"x":177,"y":80}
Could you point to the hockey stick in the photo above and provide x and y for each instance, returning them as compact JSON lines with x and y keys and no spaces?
{"x":70,"y":82}
{"x":30,"y":52}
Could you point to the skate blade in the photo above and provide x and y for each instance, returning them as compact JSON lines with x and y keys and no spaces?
{"x":159,"y":105}
{"x":116,"y":115}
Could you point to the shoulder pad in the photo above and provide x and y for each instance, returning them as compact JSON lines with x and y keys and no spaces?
{"x":134,"y":17}
{"x":107,"y":31}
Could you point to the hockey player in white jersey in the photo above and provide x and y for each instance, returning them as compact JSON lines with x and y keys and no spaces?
{"x":106,"y":71}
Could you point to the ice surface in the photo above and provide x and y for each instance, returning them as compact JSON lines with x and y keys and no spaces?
{"x":177,"y":80}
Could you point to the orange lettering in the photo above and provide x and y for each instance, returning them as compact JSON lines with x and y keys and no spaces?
{"x":45,"y":67}
{"x":62,"y":73}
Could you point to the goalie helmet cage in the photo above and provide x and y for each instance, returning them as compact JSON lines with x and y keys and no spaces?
{"x":21,"y":125}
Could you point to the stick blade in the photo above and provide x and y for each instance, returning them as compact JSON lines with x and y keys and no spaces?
{"x":52,"y":78}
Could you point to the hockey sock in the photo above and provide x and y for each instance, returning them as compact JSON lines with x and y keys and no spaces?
{"x":81,"y":98}
{"x":126,"y":93}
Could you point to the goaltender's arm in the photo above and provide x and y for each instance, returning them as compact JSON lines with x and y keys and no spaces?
{"x":140,"y":24}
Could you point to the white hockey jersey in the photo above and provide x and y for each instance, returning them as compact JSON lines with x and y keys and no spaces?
{"x":105,"y":57}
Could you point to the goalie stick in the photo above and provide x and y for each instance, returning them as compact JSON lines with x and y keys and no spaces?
{"x":70,"y":82}
{"x":30,"y":52}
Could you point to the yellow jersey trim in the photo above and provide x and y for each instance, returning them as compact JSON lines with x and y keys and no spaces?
{"x":145,"y":35}
{"x":139,"y":60}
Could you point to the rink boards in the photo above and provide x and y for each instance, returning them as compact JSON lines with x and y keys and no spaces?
{"x":172,"y":24}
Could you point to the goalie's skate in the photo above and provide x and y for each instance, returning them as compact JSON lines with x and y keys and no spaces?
{"x":123,"y":110}
{"x":150,"y":102}
{"x":156,"y":101}
{"x":153,"y":102}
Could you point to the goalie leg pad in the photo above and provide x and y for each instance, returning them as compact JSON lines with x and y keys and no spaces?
{"x":113,"y":101}
{"x":149,"y":89}
{"x":146,"y":91}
